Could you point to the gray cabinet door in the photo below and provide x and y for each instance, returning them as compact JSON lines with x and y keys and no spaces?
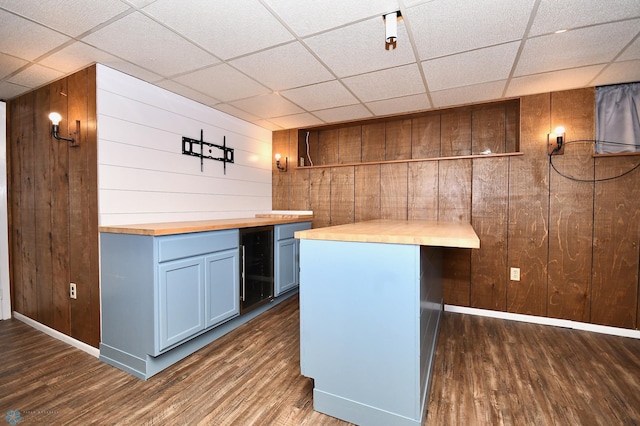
{"x":222,"y":286}
{"x":180,"y":300}
{"x":286,"y":261}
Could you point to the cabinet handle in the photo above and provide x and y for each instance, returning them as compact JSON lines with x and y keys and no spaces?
{"x":243,"y":271}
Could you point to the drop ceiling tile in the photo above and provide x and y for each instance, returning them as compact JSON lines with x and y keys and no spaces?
{"x":10,"y":90}
{"x":296,"y":121}
{"x":386,"y":84}
{"x":576,"y":48}
{"x":187,"y":92}
{"x":464,"y":95}
{"x":223,"y":28}
{"x":554,"y":15}
{"x":320,"y":96}
{"x":553,"y":81}
{"x":446,"y":27}
{"x":231,"y":110}
{"x":271,"y":105}
{"x":222,"y":82}
{"x":9,"y":64}
{"x":619,"y":72}
{"x":25,"y":39}
{"x":631,"y":52}
{"x":477,"y":66}
{"x":267,"y":125}
{"x":344,"y":113}
{"x":360,"y":48}
{"x":284,"y":67}
{"x":146,"y":43}
{"x":400,"y":105}
{"x":74,"y":17}
{"x":75,"y":56}
{"x":35,"y":76}
{"x":316,"y":16}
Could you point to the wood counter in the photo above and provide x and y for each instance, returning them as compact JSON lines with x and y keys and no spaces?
{"x":417,"y":232}
{"x":172,"y":228}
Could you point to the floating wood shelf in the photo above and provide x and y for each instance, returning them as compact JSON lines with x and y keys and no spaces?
{"x":413,"y":160}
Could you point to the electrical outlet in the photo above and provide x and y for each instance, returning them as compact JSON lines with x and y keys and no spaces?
{"x":515,"y":274}
{"x":72,"y":290}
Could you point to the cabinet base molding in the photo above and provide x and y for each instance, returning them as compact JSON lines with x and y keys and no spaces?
{"x":556,"y":322}
{"x":144,"y":368}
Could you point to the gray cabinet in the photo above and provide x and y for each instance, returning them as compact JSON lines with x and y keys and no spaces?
{"x":222,"y":297}
{"x":287,"y":257}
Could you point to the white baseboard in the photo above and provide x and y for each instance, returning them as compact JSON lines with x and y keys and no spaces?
{"x":56,"y":334}
{"x":615,"y":331}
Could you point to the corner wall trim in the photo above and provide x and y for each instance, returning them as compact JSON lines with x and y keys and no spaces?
{"x":57,"y":335}
{"x":603,"y":329}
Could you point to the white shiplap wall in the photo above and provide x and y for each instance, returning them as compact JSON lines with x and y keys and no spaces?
{"x":143,"y":176}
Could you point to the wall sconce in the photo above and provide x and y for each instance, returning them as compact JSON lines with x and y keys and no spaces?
{"x":55,"y":127}
{"x":286,"y":163}
{"x":391,"y":29}
{"x":555,"y":141}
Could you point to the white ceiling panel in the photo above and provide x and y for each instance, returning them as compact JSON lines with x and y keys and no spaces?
{"x":320,"y":96}
{"x":464,"y":95}
{"x":284,"y":67}
{"x":223,"y":82}
{"x":138,"y":39}
{"x":290,"y":63}
{"x":399,"y":105}
{"x":298,"y":120}
{"x":619,"y":72}
{"x":27,"y":40}
{"x":227,"y":29}
{"x":575,"y":48}
{"x":477,"y":66}
{"x":35,"y":76}
{"x":271,"y":105}
{"x":387,"y":84}
{"x":345,"y":113}
{"x":311,"y":17}
{"x":556,"y":80}
{"x":360,"y":48}
{"x":555,"y":15}
{"x":9,"y":64}
{"x":445,"y":27}
{"x":80,"y":15}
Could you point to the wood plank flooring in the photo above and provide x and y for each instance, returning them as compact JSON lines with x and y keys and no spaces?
{"x":487,"y":371}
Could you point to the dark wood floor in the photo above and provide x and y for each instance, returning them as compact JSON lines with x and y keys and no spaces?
{"x":487,"y":372}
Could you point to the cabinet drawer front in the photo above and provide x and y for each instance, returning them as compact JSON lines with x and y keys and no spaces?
{"x":179,"y":246}
{"x":286,"y":231}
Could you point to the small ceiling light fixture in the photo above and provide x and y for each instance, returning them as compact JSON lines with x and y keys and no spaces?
{"x":555,"y":141}
{"x":279,"y":166}
{"x":391,"y":29}
{"x":55,"y":127}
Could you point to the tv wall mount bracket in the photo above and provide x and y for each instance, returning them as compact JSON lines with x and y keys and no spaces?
{"x":189,"y":148}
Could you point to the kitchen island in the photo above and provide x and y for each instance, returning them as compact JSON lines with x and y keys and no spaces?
{"x":370,"y":306}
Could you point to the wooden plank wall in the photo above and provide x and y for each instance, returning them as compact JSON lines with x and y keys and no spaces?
{"x":53,"y":215}
{"x":576,"y":243}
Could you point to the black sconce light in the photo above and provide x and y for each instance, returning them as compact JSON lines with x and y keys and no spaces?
{"x":286,"y":163}
{"x":55,"y":127}
{"x":555,"y":141}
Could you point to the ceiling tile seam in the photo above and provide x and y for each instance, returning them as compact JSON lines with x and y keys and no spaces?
{"x":583,"y":27}
{"x":407,"y":23}
{"x":613,"y":61}
{"x":523,"y":41}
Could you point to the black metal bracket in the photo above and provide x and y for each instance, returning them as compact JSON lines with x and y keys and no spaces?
{"x":188,"y":149}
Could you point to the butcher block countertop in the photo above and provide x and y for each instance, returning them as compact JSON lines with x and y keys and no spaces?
{"x":171,"y":228}
{"x":414,"y":232}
